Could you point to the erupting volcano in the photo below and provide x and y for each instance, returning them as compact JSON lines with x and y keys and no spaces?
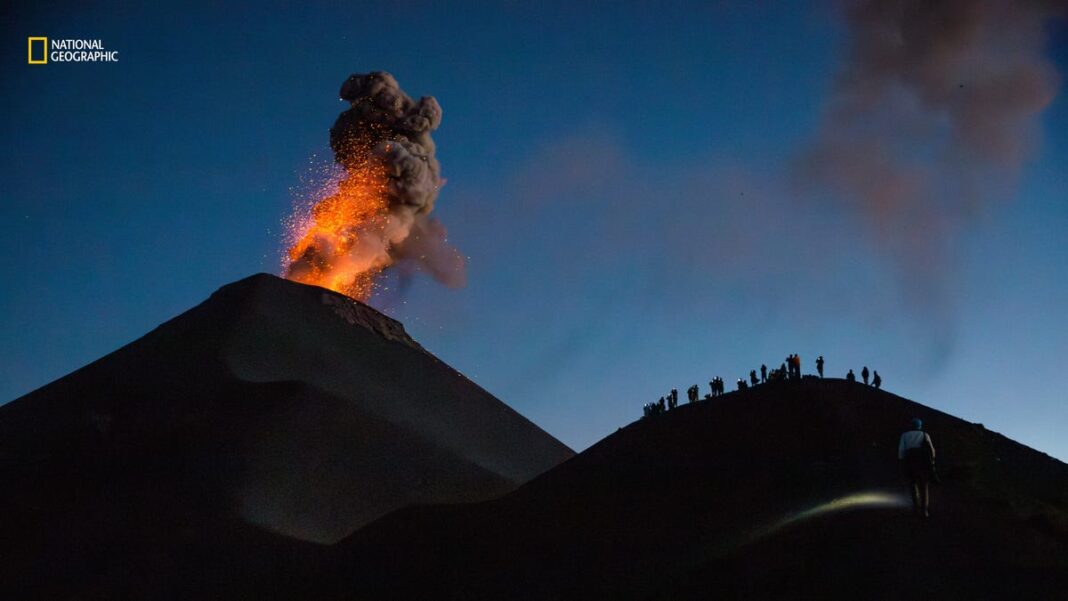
{"x":378,"y":215}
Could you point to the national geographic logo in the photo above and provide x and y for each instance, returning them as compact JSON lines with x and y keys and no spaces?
{"x":39,"y":51}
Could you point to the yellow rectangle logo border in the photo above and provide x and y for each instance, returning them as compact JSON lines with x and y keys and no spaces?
{"x":29,"y":51}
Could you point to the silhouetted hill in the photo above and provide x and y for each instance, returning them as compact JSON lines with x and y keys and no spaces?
{"x":214,"y":452}
{"x":218,"y":456}
{"x":786,"y":491}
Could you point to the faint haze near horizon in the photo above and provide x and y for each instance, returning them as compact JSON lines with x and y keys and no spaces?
{"x":616,"y":180}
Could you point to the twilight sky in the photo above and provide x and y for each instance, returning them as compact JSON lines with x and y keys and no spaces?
{"x":622,"y":180}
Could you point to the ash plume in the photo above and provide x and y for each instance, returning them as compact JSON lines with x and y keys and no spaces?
{"x":380,"y":213}
{"x":929,"y":124}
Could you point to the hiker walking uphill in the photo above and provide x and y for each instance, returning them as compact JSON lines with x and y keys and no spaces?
{"x":916,"y":453}
{"x":876,"y":381}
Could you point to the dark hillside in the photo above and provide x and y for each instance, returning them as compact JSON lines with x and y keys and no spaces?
{"x":787,"y":490}
{"x":212,"y":454}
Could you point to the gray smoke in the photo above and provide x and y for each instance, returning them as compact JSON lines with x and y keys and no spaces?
{"x":384,"y":130}
{"x":397,"y":129}
{"x":929,"y":123}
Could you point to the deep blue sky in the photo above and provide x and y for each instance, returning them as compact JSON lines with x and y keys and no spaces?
{"x":615,"y":176}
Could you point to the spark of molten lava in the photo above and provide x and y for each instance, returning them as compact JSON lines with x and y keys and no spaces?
{"x":345,"y":236}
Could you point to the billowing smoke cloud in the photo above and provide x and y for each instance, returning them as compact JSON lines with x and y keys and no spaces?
{"x":380,"y":213}
{"x":930,"y":122}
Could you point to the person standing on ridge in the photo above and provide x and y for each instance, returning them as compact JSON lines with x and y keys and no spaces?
{"x":673,"y":398}
{"x":864,"y":375}
{"x":850,"y":377}
{"x":797,"y":366}
{"x":916,"y":453}
{"x":763,"y":373}
{"x":876,"y":381}
{"x":753,"y":377}
{"x":819,"y":365}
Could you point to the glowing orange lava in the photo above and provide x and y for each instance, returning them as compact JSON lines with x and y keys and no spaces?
{"x":343,"y":243}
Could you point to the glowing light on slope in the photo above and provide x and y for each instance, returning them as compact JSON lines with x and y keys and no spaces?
{"x":861,"y":500}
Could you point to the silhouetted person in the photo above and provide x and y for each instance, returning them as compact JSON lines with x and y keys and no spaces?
{"x":864,"y":375}
{"x":661,"y":405}
{"x":876,"y":381}
{"x":741,"y":384}
{"x":797,"y":366}
{"x":712,"y":387}
{"x":819,"y":365}
{"x":753,"y":377}
{"x":916,"y":453}
{"x":763,"y":373}
{"x":691,"y":393}
{"x":673,"y":398}
{"x":850,"y":377}
{"x":782,"y":370}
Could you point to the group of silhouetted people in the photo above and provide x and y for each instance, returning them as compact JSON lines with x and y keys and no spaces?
{"x":793,"y":367}
{"x":876,"y":381}
{"x":666,"y":403}
{"x":717,"y":386}
{"x":790,"y":370}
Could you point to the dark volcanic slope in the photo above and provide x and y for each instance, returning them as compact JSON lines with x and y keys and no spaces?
{"x":197,"y":458}
{"x":698,"y":503}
